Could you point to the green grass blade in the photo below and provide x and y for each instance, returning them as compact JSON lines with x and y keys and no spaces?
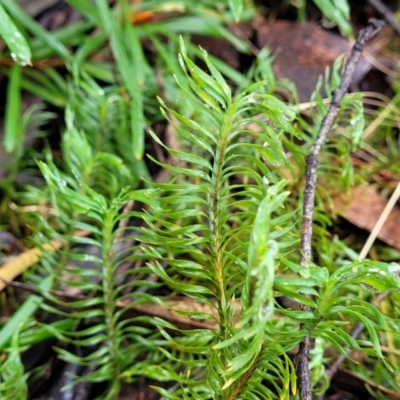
{"x":16,"y":42}
{"x":13,"y":129}
{"x":24,"y":19}
{"x":86,"y":8}
{"x":126,"y":68}
{"x":30,"y":306}
{"x":236,"y":7}
{"x":70,"y":35}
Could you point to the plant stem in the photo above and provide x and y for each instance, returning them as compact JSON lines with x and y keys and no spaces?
{"x":301,"y":358}
{"x":215,"y":206}
{"x":386,"y":13}
{"x":244,"y":379}
{"x":109,"y":299}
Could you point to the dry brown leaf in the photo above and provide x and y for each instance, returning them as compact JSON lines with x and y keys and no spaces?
{"x":171,"y":314}
{"x":363,"y":206}
{"x":303,"y":51}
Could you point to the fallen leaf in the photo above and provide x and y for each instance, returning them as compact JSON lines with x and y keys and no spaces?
{"x":169,"y":314}
{"x":363,"y":206}
{"x":303,"y":51}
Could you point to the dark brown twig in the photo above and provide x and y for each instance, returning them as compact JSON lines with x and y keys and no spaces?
{"x":301,"y":358}
{"x":386,"y":13}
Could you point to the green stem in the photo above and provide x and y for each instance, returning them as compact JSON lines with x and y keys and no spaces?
{"x":109,"y":301}
{"x":215,"y":205}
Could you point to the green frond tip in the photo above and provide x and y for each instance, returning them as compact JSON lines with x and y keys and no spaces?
{"x":258,"y":299}
{"x":211,"y":88}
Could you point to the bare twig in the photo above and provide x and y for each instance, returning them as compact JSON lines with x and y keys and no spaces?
{"x":386,"y":13}
{"x":301,"y":358}
{"x":24,"y":261}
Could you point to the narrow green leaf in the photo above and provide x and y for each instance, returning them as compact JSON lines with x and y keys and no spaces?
{"x":13,"y":130}
{"x":90,"y":45}
{"x":126,"y":65}
{"x":184,"y":171}
{"x":19,"y":48}
{"x":24,"y":312}
{"x":86,"y":8}
{"x":50,"y":95}
{"x":339,"y":12}
{"x":192,"y":158}
{"x":357,"y":123}
{"x":219,"y":78}
{"x":47,"y":37}
{"x":295,"y":296}
{"x":236,"y":7}
{"x":371,"y":331}
{"x":211,"y":92}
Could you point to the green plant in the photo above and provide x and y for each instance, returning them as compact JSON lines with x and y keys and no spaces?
{"x":335,"y":12}
{"x":222,"y":232}
{"x":12,"y":376}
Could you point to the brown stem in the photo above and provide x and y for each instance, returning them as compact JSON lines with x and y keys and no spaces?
{"x":301,"y":358}
{"x":244,"y":379}
{"x":386,"y":13}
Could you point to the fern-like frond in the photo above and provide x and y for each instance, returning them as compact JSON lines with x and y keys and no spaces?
{"x":216,"y":239}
